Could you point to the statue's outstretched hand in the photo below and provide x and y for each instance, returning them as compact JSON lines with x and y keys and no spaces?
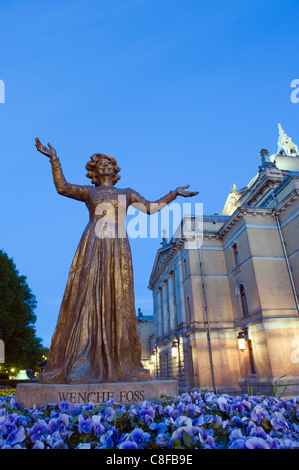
{"x":48,"y":151}
{"x":181,"y":192}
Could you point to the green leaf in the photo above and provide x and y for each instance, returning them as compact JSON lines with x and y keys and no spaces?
{"x":75,"y":419}
{"x":266,"y":425}
{"x":188,"y":441}
{"x":282,"y":393}
{"x":275,"y":387}
{"x":98,"y":408}
{"x":8,"y":406}
{"x":177,"y":443}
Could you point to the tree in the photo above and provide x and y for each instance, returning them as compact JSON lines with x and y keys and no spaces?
{"x":17,"y":318}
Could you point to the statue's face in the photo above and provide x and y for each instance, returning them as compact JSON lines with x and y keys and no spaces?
{"x":105,"y":167}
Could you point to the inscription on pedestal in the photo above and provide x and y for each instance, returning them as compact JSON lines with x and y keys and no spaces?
{"x":31,"y":394}
{"x":122,"y":396}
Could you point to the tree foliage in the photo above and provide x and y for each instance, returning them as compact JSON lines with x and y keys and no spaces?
{"x":17,"y":318}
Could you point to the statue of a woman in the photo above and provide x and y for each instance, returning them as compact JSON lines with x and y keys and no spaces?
{"x":96,"y":339}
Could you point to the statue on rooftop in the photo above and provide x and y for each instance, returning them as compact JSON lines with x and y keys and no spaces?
{"x":285,"y":144}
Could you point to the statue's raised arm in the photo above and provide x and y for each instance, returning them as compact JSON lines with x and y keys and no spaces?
{"x":48,"y":151}
{"x":181,"y":191}
{"x":151,"y":207}
{"x":64,"y":188}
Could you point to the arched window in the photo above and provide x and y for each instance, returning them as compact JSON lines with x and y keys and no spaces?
{"x":242,"y":292}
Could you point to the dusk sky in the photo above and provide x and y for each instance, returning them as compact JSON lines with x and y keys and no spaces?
{"x":178,"y":91}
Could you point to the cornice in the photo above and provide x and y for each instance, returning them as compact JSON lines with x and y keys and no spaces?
{"x":267,"y":177}
{"x":241,"y":212}
{"x":160,"y":267}
{"x":292,"y":197}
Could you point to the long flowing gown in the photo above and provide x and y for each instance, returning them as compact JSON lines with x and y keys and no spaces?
{"x":96,"y":338}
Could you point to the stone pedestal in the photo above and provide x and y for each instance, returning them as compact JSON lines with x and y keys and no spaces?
{"x":30,"y":394}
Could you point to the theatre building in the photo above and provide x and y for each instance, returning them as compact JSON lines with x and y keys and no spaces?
{"x":225,"y":288}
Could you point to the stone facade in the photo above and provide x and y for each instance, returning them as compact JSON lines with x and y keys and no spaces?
{"x":145,"y":328}
{"x":229,"y":274}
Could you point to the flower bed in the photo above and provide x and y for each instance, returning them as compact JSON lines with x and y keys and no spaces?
{"x":194,"y":420}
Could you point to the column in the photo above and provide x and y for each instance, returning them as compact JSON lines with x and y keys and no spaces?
{"x":165,"y":308}
{"x":182,"y":318}
{"x":156,"y":313}
{"x":159,"y":320}
{"x":172,"y":322}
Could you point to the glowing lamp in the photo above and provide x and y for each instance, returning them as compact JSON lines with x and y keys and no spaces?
{"x":174,"y":349}
{"x":22,"y":375}
{"x":241,"y":341}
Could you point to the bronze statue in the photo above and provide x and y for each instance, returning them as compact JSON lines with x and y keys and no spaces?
{"x":96,"y":339}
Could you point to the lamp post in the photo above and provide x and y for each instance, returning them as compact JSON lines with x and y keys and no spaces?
{"x":153,"y":361}
{"x":174,"y":349}
{"x":241,"y":341}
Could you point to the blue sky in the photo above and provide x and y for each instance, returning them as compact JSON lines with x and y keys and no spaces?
{"x":178,"y":91}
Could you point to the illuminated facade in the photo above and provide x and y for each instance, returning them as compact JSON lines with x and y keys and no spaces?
{"x":230,"y":279}
{"x":145,"y":328}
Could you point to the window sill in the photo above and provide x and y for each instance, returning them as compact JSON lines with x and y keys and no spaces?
{"x":236,"y":270}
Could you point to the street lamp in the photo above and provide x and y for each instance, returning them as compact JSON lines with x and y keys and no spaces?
{"x":153,"y":362}
{"x":174,"y":349}
{"x":241,"y":341}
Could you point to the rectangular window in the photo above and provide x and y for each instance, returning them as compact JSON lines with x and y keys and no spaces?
{"x":236,"y":254}
{"x":188,"y":310}
{"x":191,"y":362}
{"x":184,"y":268}
{"x":243,"y":300}
{"x":166,"y":365}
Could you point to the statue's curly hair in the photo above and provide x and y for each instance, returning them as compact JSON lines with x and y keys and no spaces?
{"x":91,"y":165}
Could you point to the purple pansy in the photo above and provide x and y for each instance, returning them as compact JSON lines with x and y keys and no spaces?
{"x":64,"y":406}
{"x":147,"y":412}
{"x":106,"y":440}
{"x":139,"y":436}
{"x":159,"y":428}
{"x":128,"y":445}
{"x":258,"y":431}
{"x":192,"y":419}
{"x":163,"y":440}
{"x":239,"y":407}
{"x":236,"y":434}
{"x":259,"y":414}
{"x":183,"y":421}
{"x":257,"y":443}
{"x":97,"y":425}
{"x":223,"y":404}
{"x":37,"y":431}
{"x":16,"y":436}
{"x":200,"y":421}
{"x":53,"y":425}
{"x":84,"y":424}
{"x":109,"y":414}
{"x":237,"y":444}
{"x":278,"y":422}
